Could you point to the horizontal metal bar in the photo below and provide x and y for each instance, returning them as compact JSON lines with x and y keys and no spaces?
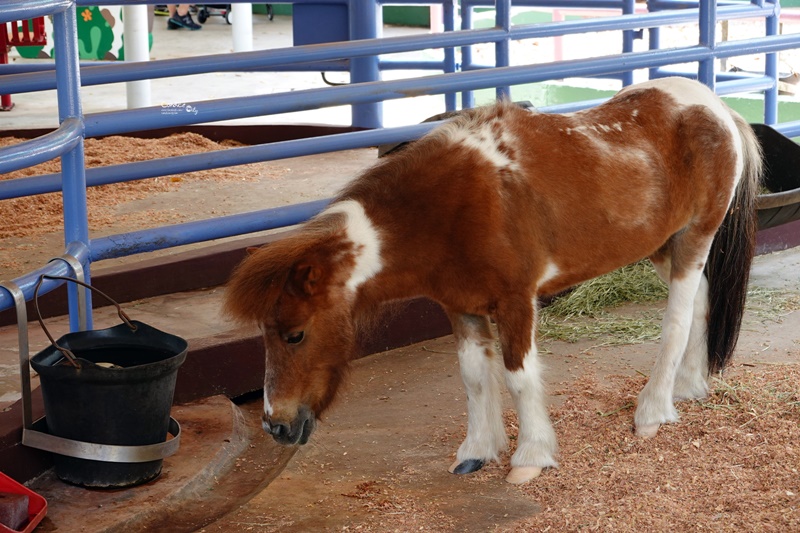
{"x":297,"y":56}
{"x":221,"y":158}
{"x":27,"y":282}
{"x":204,"y":230}
{"x":41,"y":149}
{"x":789,"y":129}
{"x":224,"y":109}
{"x":748,"y":84}
{"x":29,"y":9}
{"x":256,"y":60}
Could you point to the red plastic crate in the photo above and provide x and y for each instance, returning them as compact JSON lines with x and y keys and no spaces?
{"x":37,"y":505}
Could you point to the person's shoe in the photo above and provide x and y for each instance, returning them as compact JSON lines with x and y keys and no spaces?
{"x":176,"y":21}
{"x":161,"y":10}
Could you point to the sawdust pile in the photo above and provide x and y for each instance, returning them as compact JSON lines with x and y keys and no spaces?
{"x":731,"y":464}
{"x":30,"y":216}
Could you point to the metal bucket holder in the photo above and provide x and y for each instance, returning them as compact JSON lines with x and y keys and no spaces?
{"x":34,"y":434}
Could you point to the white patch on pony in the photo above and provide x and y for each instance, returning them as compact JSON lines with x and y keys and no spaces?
{"x":480,"y":137}
{"x":690,"y":381}
{"x":486,"y":436}
{"x":268,"y":410}
{"x":655,"y":405}
{"x":551,"y":272}
{"x":536,"y":444}
{"x":364,"y":236}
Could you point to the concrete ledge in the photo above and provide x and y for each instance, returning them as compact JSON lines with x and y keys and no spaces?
{"x":204,"y":480}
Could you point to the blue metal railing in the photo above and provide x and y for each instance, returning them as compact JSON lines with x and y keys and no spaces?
{"x":365,"y":94}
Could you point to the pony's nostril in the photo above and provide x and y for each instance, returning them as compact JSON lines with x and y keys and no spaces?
{"x":280,"y":431}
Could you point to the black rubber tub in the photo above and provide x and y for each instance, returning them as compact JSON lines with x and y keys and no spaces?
{"x":781,"y":204}
{"x":128,"y":404}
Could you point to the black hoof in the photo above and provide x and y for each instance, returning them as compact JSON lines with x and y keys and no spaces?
{"x":469,"y":466}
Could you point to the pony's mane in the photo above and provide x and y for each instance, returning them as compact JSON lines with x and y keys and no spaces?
{"x":257,"y":282}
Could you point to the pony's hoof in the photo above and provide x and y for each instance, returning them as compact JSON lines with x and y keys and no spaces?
{"x":466,"y":467}
{"x":648,"y":432}
{"x":523,"y":474}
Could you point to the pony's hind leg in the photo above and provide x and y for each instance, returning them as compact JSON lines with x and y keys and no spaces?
{"x":655,"y":405}
{"x":690,"y":381}
{"x":480,"y":369}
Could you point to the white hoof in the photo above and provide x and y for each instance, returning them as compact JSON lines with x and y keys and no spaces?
{"x":454,"y":466}
{"x":523,"y":474}
{"x":647,"y":431}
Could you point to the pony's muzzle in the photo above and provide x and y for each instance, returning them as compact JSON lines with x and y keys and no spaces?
{"x":296,"y":432}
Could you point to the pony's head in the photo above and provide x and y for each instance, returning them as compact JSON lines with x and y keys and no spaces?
{"x":295,"y":290}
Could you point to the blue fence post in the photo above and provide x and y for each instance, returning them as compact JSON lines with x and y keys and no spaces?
{"x":76,"y":227}
{"x":366,"y":17}
{"x":771,"y":68}
{"x":628,"y":37}
{"x":708,"y":32}
{"x":653,"y":39}
{"x":502,"y":47}
{"x":449,"y":16}
{"x":467,"y":97}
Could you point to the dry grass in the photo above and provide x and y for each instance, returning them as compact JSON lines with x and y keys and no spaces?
{"x":588,"y":311}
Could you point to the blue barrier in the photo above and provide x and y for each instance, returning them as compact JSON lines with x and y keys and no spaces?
{"x":366,"y":93}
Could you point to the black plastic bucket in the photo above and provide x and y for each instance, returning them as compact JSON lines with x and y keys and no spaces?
{"x":125,"y":404}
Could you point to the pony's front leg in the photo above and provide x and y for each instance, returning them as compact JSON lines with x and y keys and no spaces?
{"x":480,"y":370}
{"x":536,"y":442}
{"x":655,"y":406}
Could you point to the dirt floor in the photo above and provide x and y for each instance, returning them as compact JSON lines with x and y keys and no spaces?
{"x":378,"y":461}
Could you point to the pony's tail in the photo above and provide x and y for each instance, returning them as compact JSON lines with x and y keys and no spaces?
{"x":728,"y":266}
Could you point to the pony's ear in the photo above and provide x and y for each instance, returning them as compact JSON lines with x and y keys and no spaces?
{"x":252,"y":249}
{"x":305,"y":280}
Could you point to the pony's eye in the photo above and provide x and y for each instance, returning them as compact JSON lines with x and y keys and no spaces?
{"x":295,"y":337}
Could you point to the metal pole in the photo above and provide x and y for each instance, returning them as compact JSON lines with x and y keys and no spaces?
{"x":708,"y":27}
{"x":502,"y":49}
{"x":771,"y":70}
{"x":242,"y":27}
{"x":365,"y":17}
{"x":76,"y":226}
{"x":137,"y":48}
{"x":448,"y":13}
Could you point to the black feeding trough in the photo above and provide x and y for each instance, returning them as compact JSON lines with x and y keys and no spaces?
{"x":781,"y":178}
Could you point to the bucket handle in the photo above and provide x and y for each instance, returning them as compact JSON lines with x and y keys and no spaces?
{"x":68,"y":353}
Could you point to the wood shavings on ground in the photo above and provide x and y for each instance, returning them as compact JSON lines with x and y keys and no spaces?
{"x":30,"y":216}
{"x":390,"y":510}
{"x":730,"y":464}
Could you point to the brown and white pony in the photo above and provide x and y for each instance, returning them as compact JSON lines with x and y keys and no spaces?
{"x":496,"y":208}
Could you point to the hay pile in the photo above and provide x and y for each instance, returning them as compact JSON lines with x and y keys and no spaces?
{"x":592,"y":309}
